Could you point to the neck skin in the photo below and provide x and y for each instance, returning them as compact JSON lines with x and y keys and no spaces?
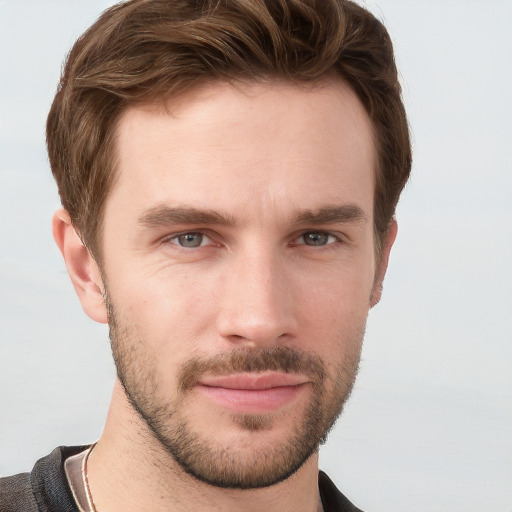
{"x":129,"y":470}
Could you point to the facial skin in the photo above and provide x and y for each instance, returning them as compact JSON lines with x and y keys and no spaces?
{"x":238,"y":270}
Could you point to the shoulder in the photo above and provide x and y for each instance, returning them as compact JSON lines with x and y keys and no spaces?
{"x":332,"y":499}
{"x":16,"y":494}
{"x":44,"y":489}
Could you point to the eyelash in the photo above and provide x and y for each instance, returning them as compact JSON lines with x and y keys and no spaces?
{"x":175,"y":237}
{"x":321,"y":233}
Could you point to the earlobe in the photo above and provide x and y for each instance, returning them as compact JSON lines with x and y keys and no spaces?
{"x":382,"y":265}
{"x":81,"y":266}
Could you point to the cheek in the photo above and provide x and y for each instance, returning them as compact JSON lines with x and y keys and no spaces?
{"x":172,"y":290}
{"x":339,"y":296}
{"x":169,"y":310}
{"x":333,"y":314}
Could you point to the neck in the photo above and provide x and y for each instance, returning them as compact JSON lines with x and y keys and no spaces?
{"x":130,"y":470}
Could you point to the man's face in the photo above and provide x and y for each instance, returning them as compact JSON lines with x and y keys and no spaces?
{"x":238,"y":261}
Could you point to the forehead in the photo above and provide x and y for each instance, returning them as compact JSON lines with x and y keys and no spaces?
{"x":272,"y":145}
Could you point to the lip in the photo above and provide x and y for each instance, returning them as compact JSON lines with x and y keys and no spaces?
{"x":252,"y":393}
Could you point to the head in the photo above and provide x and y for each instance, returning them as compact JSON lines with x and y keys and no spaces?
{"x":149,"y":51}
{"x":232,"y":169}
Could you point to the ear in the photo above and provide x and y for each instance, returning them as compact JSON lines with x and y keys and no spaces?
{"x":82,"y":268}
{"x":382,"y":264}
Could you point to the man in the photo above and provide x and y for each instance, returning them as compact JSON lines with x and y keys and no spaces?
{"x":229,"y":173}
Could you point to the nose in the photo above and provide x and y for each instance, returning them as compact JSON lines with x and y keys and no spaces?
{"x":256,"y":306}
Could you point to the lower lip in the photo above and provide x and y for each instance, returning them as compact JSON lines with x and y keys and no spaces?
{"x":252,"y":401}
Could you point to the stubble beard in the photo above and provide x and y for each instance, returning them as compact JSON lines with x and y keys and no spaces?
{"x":234,"y":466}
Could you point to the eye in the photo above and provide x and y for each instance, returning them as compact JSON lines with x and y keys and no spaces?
{"x":316,"y":238}
{"x":190,"y":240}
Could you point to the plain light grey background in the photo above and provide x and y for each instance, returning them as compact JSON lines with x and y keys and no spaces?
{"x":429,"y":424}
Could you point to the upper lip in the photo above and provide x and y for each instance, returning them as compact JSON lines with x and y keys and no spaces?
{"x":253,"y":381}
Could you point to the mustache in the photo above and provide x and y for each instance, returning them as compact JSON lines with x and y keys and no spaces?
{"x":283,"y":359}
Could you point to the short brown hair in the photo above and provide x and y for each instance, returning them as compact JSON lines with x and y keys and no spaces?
{"x":149,"y":50}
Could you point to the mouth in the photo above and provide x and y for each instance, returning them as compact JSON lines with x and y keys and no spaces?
{"x":253,"y":393}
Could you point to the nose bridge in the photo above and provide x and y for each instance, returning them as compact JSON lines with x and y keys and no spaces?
{"x":257,"y":303}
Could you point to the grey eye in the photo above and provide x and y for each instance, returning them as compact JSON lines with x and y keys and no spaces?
{"x":316,"y":238}
{"x":189,"y":240}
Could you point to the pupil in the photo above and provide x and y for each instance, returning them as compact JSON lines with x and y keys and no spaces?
{"x":316,"y":238}
{"x":191,"y":240}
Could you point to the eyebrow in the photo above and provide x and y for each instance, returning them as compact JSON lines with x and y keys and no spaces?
{"x":161,"y":216}
{"x":332,"y":214}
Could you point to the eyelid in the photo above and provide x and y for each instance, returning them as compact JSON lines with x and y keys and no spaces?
{"x":170,"y":239}
{"x":212,"y":237}
{"x":337,"y":237}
